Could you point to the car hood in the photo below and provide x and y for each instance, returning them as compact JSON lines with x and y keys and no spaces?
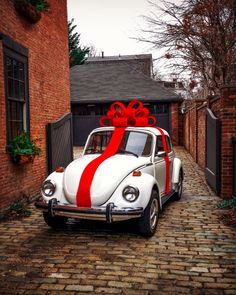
{"x":106,"y":179}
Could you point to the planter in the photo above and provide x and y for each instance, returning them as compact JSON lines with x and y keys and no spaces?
{"x":27,"y":10}
{"x":23,"y":159}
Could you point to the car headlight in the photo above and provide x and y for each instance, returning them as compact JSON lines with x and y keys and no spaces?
{"x":48,"y":188}
{"x":130,"y":193}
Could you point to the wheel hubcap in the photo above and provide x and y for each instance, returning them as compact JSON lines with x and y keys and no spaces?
{"x":153,"y":213}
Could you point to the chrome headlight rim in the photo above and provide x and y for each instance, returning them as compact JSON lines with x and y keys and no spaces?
{"x":52,"y":188}
{"x":130,"y":193}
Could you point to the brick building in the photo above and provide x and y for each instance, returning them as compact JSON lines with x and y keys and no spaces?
{"x":34,"y":89}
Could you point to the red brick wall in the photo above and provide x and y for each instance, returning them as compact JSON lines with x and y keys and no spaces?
{"x":175,"y":123}
{"x":192,"y":132}
{"x":224,"y":108}
{"x":228,"y":130}
{"x":48,"y":90}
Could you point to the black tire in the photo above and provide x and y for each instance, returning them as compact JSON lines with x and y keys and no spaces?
{"x":178,"y":194}
{"x":148,"y":222}
{"x":55,"y":221}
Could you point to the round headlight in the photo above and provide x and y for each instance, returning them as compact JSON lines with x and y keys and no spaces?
{"x":130,"y":193}
{"x":48,"y":188}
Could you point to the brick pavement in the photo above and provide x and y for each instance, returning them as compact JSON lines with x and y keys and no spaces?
{"x":191,"y":252}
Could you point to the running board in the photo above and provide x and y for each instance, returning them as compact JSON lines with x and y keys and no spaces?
{"x":165,"y":198}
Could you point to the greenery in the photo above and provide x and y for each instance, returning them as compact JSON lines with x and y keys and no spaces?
{"x":23,"y":145}
{"x":77,"y":53}
{"x":228,"y":204}
{"x":39,"y":4}
{"x":19,"y":209}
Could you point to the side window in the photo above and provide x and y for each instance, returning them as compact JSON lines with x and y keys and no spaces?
{"x":16,"y":91}
{"x":168,"y":143}
{"x":159,"y":144}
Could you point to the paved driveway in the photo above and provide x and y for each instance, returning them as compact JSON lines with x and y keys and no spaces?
{"x":191,"y":252}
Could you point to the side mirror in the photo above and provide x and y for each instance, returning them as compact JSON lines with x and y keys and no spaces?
{"x":161,"y":154}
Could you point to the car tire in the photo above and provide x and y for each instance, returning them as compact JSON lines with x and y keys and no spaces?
{"x":178,"y":194}
{"x":148,"y":222}
{"x":55,"y":221}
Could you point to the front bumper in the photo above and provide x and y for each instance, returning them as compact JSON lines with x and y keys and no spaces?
{"x":107,"y":213}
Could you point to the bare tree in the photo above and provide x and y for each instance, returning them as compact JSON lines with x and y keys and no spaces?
{"x":92,"y":50}
{"x":197,"y":35}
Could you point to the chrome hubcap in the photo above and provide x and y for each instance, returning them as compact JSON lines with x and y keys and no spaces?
{"x":153,"y":213}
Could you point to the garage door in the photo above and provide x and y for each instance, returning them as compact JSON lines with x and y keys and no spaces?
{"x":84,"y":124}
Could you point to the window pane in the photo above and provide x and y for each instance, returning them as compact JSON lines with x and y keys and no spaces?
{"x":16,"y":69}
{"x":13,"y":110}
{"x":160,"y":144}
{"x":21,"y":90}
{"x":10,"y":87}
{"x":21,"y":71}
{"x":20,"y":107}
{"x":15,"y":117}
{"x":169,"y":147}
{"x":9,"y":67}
{"x":14,"y":129}
{"x":132,"y":142}
{"x":16,"y":93}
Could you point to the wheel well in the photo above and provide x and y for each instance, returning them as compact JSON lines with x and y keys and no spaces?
{"x":155,"y":188}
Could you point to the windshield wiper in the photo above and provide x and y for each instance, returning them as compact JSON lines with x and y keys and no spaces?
{"x":127,"y":152}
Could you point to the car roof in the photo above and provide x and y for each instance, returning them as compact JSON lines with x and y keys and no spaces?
{"x":143,"y":129}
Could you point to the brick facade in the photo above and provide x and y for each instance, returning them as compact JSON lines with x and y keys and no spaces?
{"x":174,"y":109}
{"x":48,"y":68}
{"x":194,"y":122}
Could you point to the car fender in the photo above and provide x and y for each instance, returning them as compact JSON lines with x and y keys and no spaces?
{"x":143,"y":183}
{"x":57,"y":178}
{"x":177,"y":166}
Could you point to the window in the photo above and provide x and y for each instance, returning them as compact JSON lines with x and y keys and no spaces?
{"x":16,"y":89}
{"x":159,"y":144}
{"x":137,"y":143}
{"x":168,"y":143}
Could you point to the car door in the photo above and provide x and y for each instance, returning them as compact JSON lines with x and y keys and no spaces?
{"x":160,"y":165}
{"x":171,"y":155}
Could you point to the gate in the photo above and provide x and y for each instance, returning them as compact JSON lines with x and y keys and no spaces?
{"x":59,"y":143}
{"x":213,"y":133}
{"x":83,"y":125}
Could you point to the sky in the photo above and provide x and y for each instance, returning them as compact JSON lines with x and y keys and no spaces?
{"x":109,"y":24}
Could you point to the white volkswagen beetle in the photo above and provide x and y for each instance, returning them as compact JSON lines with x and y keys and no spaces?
{"x":134,"y":183}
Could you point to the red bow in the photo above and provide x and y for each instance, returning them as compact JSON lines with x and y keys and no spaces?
{"x":120,"y":116}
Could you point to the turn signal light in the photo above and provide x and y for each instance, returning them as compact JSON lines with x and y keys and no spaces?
{"x":60,"y":169}
{"x":137,"y":173}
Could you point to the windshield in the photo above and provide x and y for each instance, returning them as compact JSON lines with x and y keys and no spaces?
{"x":133,"y":142}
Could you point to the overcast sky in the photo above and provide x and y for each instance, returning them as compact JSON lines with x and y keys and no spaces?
{"x":108,"y":24}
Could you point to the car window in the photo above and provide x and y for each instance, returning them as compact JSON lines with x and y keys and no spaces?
{"x":159,"y":144}
{"x":139,"y":143}
{"x":98,"y":142}
{"x":168,"y":143}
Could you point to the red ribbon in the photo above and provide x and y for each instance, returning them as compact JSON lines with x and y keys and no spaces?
{"x":167,"y":161}
{"x":120,"y":116}
{"x":83,"y":198}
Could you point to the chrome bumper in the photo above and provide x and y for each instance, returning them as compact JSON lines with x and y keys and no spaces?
{"x":107,"y":213}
